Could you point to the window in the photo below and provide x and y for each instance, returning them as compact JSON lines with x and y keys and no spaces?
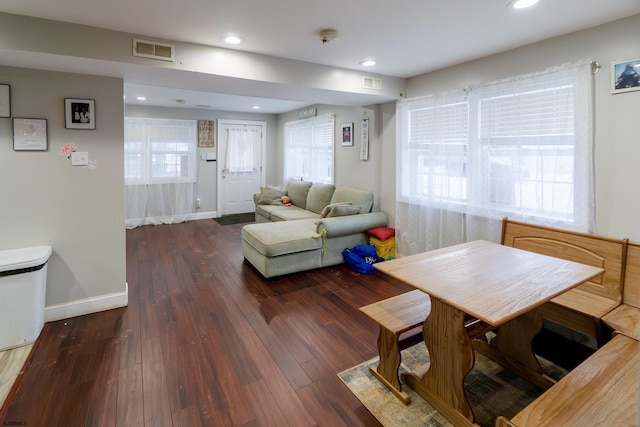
{"x":160,"y":170}
{"x":308,"y":148}
{"x":160,"y":150}
{"x":436,"y":149}
{"x":520,"y":147}
{"x":526,"y":144}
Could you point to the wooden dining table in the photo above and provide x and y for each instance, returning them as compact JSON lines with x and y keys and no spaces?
{"x":499,"y":285}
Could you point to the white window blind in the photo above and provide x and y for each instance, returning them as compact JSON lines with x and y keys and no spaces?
{"x":308,"y":149}
{"x":520,"y":147}
{"x":433,"y":160}
{"x":160,"y":150}
{"x":527,"y":147}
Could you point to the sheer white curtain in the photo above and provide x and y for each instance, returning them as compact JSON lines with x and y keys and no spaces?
{"x":160,"y":163}
{"x":240,"y":146}
{"x":520,"y":147}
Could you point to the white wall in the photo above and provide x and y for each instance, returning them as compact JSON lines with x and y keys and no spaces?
{"x":617,"y":122}
{"x":77,"y":210}
{"x":207,"y":179}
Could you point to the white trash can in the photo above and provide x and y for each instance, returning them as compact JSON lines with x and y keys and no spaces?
{"x":23,"y":283}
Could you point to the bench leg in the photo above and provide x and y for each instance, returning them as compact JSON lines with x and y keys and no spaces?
{"x":387,"y":370}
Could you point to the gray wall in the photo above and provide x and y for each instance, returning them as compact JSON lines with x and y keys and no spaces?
{"x":76,"y":210}
{"x":617,"y":124}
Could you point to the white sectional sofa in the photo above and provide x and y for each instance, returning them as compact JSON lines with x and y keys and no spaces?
{"x":321,"y":222}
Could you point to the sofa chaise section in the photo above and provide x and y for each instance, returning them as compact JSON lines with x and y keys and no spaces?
{"x":285,"y":247}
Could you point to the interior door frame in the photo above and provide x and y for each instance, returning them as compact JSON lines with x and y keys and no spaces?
{"x":263,"y":151}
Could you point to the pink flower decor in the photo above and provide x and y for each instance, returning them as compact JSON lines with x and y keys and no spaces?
{"x":67,"y":149}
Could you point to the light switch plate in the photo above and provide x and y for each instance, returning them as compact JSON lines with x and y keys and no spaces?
{"x":79,"y":158}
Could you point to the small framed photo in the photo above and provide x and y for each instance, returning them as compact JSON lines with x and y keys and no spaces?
{"x":5,"y":100}
{"x":79,"y":113}
{"x":30,"y":134}
{"x":625,"y":76}
{"x":347,"y":134}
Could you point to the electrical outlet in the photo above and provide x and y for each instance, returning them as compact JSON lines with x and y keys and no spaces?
{"x":197,"y":203}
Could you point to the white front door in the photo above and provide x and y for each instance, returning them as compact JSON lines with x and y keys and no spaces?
{"x":241,"y":152}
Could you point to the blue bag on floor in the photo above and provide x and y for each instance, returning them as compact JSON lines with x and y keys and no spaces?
{"x":361,"y":258}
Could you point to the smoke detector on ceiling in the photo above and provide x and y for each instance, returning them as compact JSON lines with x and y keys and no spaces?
{"x":327,"y":36}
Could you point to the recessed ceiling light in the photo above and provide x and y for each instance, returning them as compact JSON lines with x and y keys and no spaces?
{"x":368,"y":63}
{"x":256,"y":107}
{"x":141,"y":98}
{"x":522,"y":4}
{"x":232,"y":39}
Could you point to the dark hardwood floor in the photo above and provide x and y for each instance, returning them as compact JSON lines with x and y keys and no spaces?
{"x":206,"y":341}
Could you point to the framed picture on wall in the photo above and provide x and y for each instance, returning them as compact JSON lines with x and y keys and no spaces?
{"x":79,"y":113}
{"x":205,"y":133}
{"x":625,"y":76}
{"x":347,"y":134}
{"x":30,"y":134}
{"x":5,"y":100}
{"x":364,"y":139}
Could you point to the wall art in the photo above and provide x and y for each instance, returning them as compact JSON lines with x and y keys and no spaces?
{"x":625,"y":76}
{"x":205,"y":133}
{"x":79,"y":113}
{"x":30,"y":134}
{"x":347,"y":134}
{"x":364,"y":139}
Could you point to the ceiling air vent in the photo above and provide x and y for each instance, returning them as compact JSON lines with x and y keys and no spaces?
{"x":371,"y":83}
{"x":153,"y":50}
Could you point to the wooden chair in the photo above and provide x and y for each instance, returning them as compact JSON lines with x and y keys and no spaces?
{"x":400,"y":319}
{"x":625,"y":319}
{"x":581,"y":308}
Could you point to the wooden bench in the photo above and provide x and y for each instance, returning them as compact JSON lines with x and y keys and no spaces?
{"x":601,"y":391}
{"x":400,"y":320}
{"x":581,"y":308}
{"x":625,"y":319}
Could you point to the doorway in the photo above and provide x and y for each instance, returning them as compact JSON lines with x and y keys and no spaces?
{"x":241,"y":154}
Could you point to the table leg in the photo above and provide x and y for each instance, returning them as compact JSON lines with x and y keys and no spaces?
{"x":451,"y":358}
{"x":512,"y":348}
{"x":390,"y":358}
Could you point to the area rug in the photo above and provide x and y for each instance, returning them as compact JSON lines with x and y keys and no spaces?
{"x":236,"y":218}
{"x":491,"y":390}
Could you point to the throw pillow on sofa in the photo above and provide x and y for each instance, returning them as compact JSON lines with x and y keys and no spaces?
{"x":298,"y":191}
{"x":329,"y":210}
{"x":361,"y":198}
{"x":343,"y":210}
{"x":271,"y":195}
{"x":319,"y":196}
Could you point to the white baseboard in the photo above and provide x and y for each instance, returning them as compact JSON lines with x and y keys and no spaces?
{"x":203,"y":215}
{"x":86,"y":306}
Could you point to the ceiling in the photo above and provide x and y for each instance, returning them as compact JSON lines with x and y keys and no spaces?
{"x":405,"y":37}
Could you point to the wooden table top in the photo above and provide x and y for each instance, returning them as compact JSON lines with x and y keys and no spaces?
{"x":489,"y":281}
